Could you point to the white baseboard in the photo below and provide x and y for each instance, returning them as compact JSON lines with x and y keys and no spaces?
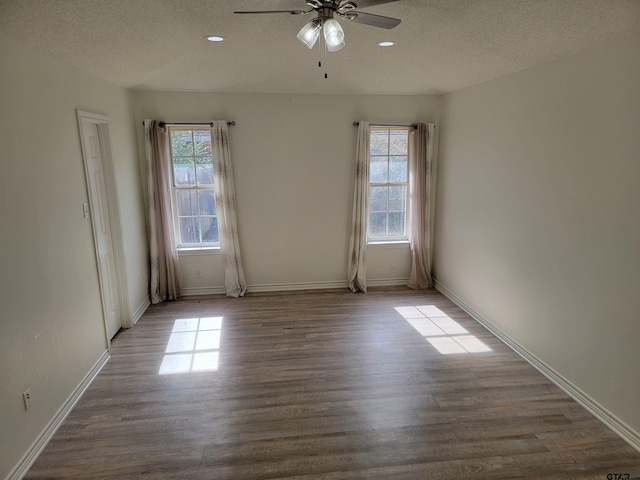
{"x":283,"y":287}
{"x":28,"y":459}
{"x":623,"y":430}
{"x":141,"y":309}
{"x":195,"y":291}
{"x":387,"y":282}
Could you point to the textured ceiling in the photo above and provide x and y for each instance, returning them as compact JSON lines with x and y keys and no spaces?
{"x":441,"y":45}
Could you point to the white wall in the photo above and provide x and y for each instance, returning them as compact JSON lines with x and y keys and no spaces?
{"x":538,"y":215}
{"x":293,"y":159}
{"x":51,"y":325}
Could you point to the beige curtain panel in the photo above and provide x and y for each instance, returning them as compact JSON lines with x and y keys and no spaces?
{"x":421,"y":155}
{"x":357,"y":265}
{"x":234,"y":282}
{"x":165,"y":265}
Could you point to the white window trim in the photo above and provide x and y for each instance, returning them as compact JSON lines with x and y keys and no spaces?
{"x":376,"y":243}
{"x":186,"y":248}
{"x":405,"y":239}
{"x":195,"y":251}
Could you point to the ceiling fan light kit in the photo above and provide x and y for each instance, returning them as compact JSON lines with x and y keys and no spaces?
{"x":333,"y":32}
{"x":333,"y":35}
{"x":309,"y":34}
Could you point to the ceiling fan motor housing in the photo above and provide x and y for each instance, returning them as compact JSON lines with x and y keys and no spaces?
{"x":326,"y":8}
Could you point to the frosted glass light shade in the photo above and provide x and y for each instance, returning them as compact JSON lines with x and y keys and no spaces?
{"x":309,"y":34}
{"x":333,"y":35}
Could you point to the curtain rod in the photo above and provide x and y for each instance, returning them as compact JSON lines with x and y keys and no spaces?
{"x":413,"y":125}
{"x":162,"y":124}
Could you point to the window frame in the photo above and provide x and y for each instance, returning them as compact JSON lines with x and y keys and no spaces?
{"x":197,"y":187}
{"x":405,"y":238}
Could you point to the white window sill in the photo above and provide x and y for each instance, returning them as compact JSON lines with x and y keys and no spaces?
{"x":184,"y":252}
{"x":389,"y":244}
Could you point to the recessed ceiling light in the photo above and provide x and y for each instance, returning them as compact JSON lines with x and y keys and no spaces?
{"x":386,"y":44}
{"x":214,"y":38}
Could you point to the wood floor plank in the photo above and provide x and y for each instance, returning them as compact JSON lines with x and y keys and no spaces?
{"x":324,"y":384}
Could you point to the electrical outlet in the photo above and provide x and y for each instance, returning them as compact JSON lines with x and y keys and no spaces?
{"x":198,"y":273}
{"x":26,"y":397}
{"x":392,"y":266}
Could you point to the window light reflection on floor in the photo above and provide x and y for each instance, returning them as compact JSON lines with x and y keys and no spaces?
{"x":194,"y":346}
{"x":441,"y":331}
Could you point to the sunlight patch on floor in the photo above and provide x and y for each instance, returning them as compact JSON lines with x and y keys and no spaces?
{"x":194,"y":346}
{"x":444,"y":333}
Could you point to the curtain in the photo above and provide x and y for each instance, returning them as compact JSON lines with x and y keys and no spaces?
{"x":357,"y":268}
{"x":421,"y":154}
{"x":165,"y":265}
{"x":234,"y":282}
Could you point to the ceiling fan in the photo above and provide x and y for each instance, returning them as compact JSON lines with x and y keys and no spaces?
{"x":333,"y":33}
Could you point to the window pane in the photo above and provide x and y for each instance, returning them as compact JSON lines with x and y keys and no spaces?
{"x":389,"y":189}
{"x":202,"y":139}
{"x":195,"y":205}
{"x":377,"y":224}
{"x":183,"y":171}
{"x":187,"y":202}
{"x":207,"y":202}
{"x":378,"y":169}
{"x":181,"y":143}
{"x":397,"y":199}
{"x":204,"y":171}
{"x":379,"y":143}
{"x":398,"y":142}
{"x":378,"y":199}
{"x":209,"y":227}
{"x":189,"y":230}
{"x":397,"y":169}
{"x":396,"y":224}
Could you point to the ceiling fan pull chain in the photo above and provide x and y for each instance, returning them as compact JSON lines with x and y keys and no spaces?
{"x":320,"y":65}
{"x":325,"y":60}
{"x":325,"y":56}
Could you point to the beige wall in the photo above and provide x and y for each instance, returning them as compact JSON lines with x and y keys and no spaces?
{"x":538,"y":215}
{"x":293,"y":159}
{"x":51,"y":325}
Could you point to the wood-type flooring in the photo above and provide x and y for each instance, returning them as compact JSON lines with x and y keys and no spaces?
{"x":327,"y":384}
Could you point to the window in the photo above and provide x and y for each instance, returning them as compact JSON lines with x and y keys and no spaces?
{"x":388,"y":184}
{"x":194,"y":204}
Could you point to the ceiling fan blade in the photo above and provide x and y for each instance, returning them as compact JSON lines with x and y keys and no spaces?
{"x":292,"y":12}
{"x":368,"y":3}
{"x":373,"y":20}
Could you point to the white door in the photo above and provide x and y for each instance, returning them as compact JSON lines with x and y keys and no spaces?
{"x":101,"y":227}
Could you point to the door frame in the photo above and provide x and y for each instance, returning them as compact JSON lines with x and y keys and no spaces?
{"x":117,"y":244}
